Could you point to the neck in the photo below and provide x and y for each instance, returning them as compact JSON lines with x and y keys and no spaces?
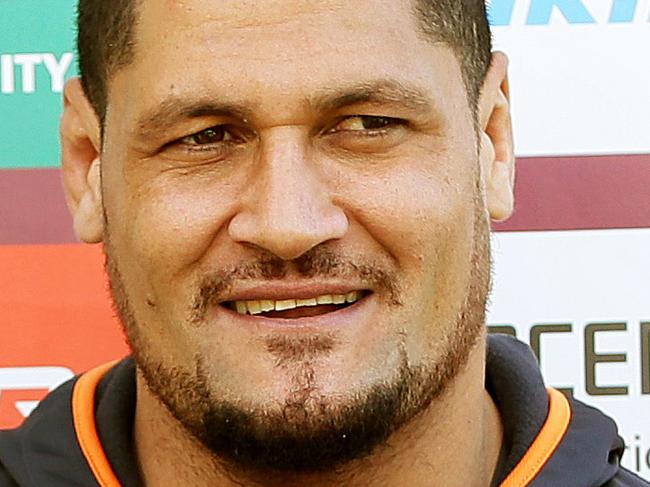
{"x":455,"y":442}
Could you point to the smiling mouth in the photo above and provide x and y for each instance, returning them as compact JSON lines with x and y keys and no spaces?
{"x":296,"y":308}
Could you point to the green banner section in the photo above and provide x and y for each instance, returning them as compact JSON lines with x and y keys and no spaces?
{"x":36,"y":57}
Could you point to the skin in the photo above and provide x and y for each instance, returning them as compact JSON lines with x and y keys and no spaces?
{"x":299,"y":173}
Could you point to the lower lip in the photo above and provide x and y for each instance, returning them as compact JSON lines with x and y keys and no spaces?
{"x":342,"y":318}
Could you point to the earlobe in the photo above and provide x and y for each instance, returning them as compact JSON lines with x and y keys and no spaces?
{"x":81,"y":164}
{"x":497,"y":147}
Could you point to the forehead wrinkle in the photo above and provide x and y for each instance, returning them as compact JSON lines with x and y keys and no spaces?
{"x":243,"y":14}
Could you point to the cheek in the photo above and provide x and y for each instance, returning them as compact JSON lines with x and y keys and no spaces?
{"x":418,"y":212}
{"x":423,"y":216}
{"x":177,"y":221}
{"x":162,"y":226}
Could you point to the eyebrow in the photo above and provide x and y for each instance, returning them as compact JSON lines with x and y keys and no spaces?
{"x":176,"y":108}
{"x":380,"y":92}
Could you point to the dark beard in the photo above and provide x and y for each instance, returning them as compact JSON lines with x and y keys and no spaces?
{"x":308,"y":436}
{"x":308,"y":433}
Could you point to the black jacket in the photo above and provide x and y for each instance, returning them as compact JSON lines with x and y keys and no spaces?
{"x":80,"y":435}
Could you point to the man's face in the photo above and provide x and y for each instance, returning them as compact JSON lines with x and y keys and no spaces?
{"x":315,"y":159}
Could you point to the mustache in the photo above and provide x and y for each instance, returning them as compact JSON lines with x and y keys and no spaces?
{"x":317,"y":262}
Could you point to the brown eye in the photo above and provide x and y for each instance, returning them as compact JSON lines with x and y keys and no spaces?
{"x":212,"y":135}
{"x":365,"y":123}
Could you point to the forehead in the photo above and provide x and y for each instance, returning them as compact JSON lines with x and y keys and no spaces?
{"x":271,"y":20}
{"x":279,"y":50}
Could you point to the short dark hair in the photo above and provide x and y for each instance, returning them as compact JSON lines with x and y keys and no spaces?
{"x":462,"y":25}
{"x":105,"y":41}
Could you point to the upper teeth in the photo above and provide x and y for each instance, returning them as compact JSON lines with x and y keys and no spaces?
{"x":255,"y":307}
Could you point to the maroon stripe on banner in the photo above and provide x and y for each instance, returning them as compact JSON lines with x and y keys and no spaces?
{"x":32,"y":208}
{"x":576,"y":193}
{"x":552,"y":193}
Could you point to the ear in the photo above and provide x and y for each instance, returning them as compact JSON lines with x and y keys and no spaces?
{"x":81,"y":165}
{"x":497,"y":155}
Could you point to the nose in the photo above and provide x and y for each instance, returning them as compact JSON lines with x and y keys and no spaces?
{"x":287,"y":206}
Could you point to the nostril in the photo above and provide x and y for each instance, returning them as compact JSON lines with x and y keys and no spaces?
{"x":287,"y":225}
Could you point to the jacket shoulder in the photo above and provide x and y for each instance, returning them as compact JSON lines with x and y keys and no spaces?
{"x":44,"y":451}
{"x":625,"y":478}
{"x":44,"y":447}
{"x":5,"y":479}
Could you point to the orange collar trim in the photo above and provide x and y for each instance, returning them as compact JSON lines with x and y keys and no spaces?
{"x":547,"y":441}
{"x":83,"y":413}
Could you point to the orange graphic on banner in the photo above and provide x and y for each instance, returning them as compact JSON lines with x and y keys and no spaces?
{"x":55,"y":320}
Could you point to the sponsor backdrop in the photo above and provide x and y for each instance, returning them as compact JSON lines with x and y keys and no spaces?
{"x":572,"y":266}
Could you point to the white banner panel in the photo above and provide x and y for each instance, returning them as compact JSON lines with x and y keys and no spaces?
{"x":582,"y":299}
{"x":580,"y":74}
